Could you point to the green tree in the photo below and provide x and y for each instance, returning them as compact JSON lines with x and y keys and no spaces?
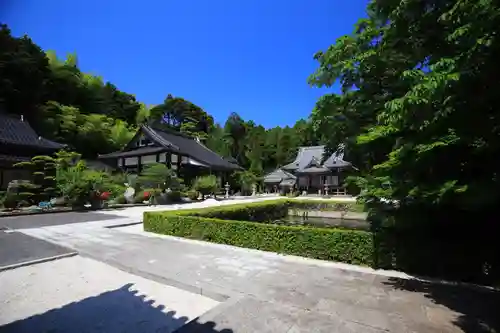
{"x":158,"y":175}
{"x":43,"y":171}
{"x":206,"y":185}
{"x":24,"y":70}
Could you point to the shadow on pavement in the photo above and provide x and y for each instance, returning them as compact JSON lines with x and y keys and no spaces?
{"x":476,"y":308}
{"x":120,"y":310}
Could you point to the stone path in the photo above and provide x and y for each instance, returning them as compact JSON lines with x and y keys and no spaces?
{"x":273,"y":293}
{"x":82,"y":295}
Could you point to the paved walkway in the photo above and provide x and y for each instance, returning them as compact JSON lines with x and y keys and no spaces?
{"x":17,"y":249}
{"x":273,"y":293}
{"x":83,"y":295}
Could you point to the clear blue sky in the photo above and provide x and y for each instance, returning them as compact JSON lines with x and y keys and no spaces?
{"x":252,"y":57}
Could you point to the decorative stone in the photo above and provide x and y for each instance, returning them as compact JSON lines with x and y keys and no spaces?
{"x":129,"y":193}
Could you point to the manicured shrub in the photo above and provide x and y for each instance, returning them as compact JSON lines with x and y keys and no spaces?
{"x":327,"y":205}
{"x":266,"y":211}
{"x":349,"y":246}
{"x":192,"y":194}
{"x":236,"y":225}
{"x":10,"y":200}
{"x":173,"y":196}
{"x":206,"y":185}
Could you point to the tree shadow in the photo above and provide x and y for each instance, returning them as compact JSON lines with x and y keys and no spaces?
{"x":119,"y":310}
{"x":448,"y":244}
{"x":476,"y":307}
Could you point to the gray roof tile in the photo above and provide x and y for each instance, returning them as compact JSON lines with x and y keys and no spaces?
{"x":277,"y":176}
{"x":312,"y":156}
{"x":15,"y":131}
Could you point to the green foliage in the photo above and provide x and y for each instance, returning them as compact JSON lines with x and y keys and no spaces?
{"x":192,"y":194}
{"x":158,"y":175}
{"x":182,"y":115}
{"x":43,"y":171}
{"x":10,"y":200}
{"x":246,"y":179}
{"x":418,"y":116}
{"x":206,"y":184}
{"x":79,"y":185}
{"x":173,"y":196}
{"x":327,"y":205}
{"x":266,"y":211}
{"x":353,"y":247}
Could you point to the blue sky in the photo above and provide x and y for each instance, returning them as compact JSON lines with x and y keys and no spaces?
{"x":252,"y":57}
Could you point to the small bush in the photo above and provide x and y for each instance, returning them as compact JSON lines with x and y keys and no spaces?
{"x":206,"y":185}
{"x":10,"y":200}
{"x":173,"y":196}
{"x":192,"y":194}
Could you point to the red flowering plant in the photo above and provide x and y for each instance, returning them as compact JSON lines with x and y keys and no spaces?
{"x":146,"y":195}
{"x":104,"y":195}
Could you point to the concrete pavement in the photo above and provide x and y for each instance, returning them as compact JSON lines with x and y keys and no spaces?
{"x":273,"y":293}
{"x":18,"y":249}
{"x":44,"y":220}
{"x":82,"y":295}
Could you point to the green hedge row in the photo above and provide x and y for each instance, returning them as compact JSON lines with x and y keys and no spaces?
{"x":327,"y":205}
{"x":263,"y":211}
{"x":348,"y":246}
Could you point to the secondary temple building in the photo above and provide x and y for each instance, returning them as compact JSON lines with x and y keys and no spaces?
{"x":185,"y":155}
{"x":311,"y":172}
{"x":19,"y":143}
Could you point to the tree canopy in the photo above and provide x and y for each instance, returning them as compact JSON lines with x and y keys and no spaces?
{"x":92,"y":116}
{"x":418,"y":107}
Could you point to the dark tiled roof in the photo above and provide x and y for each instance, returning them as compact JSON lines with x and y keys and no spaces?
{"x":12,"y":158}
{"x":231,"y":159}
{"x":175,"y":142}
{"x":14,"y":131}
{"x":134,"y":152}
{"x":277,"y":176}
{"x":189,"y":146}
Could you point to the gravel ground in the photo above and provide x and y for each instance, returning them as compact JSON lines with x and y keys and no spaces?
{"x":82,"y":295}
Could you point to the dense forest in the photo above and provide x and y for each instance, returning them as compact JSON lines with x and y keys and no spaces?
{"x":93,"y":116}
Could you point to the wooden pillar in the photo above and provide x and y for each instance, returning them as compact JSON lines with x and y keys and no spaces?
{"x":139,"y":164}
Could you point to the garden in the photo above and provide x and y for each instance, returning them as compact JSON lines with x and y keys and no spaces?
{"x":64,"y":182}
{"x":264,"y":226}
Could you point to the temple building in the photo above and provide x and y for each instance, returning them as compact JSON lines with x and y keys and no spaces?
{"x":18,"y":143}
{"x":186,"y":155}
{"x":311,"y":172}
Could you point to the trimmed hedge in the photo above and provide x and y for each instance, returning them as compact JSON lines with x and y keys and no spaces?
{"x":263,"y":211}
{"x":217,"y":224}
{"x":327,"y":205}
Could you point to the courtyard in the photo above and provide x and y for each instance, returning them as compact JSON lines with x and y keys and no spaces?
{"x":127,"y":279}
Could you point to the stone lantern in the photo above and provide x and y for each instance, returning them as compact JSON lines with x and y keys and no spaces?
{"x":226,"y":187}
{"x":254,"y":190}
{"x":326,"y":189}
